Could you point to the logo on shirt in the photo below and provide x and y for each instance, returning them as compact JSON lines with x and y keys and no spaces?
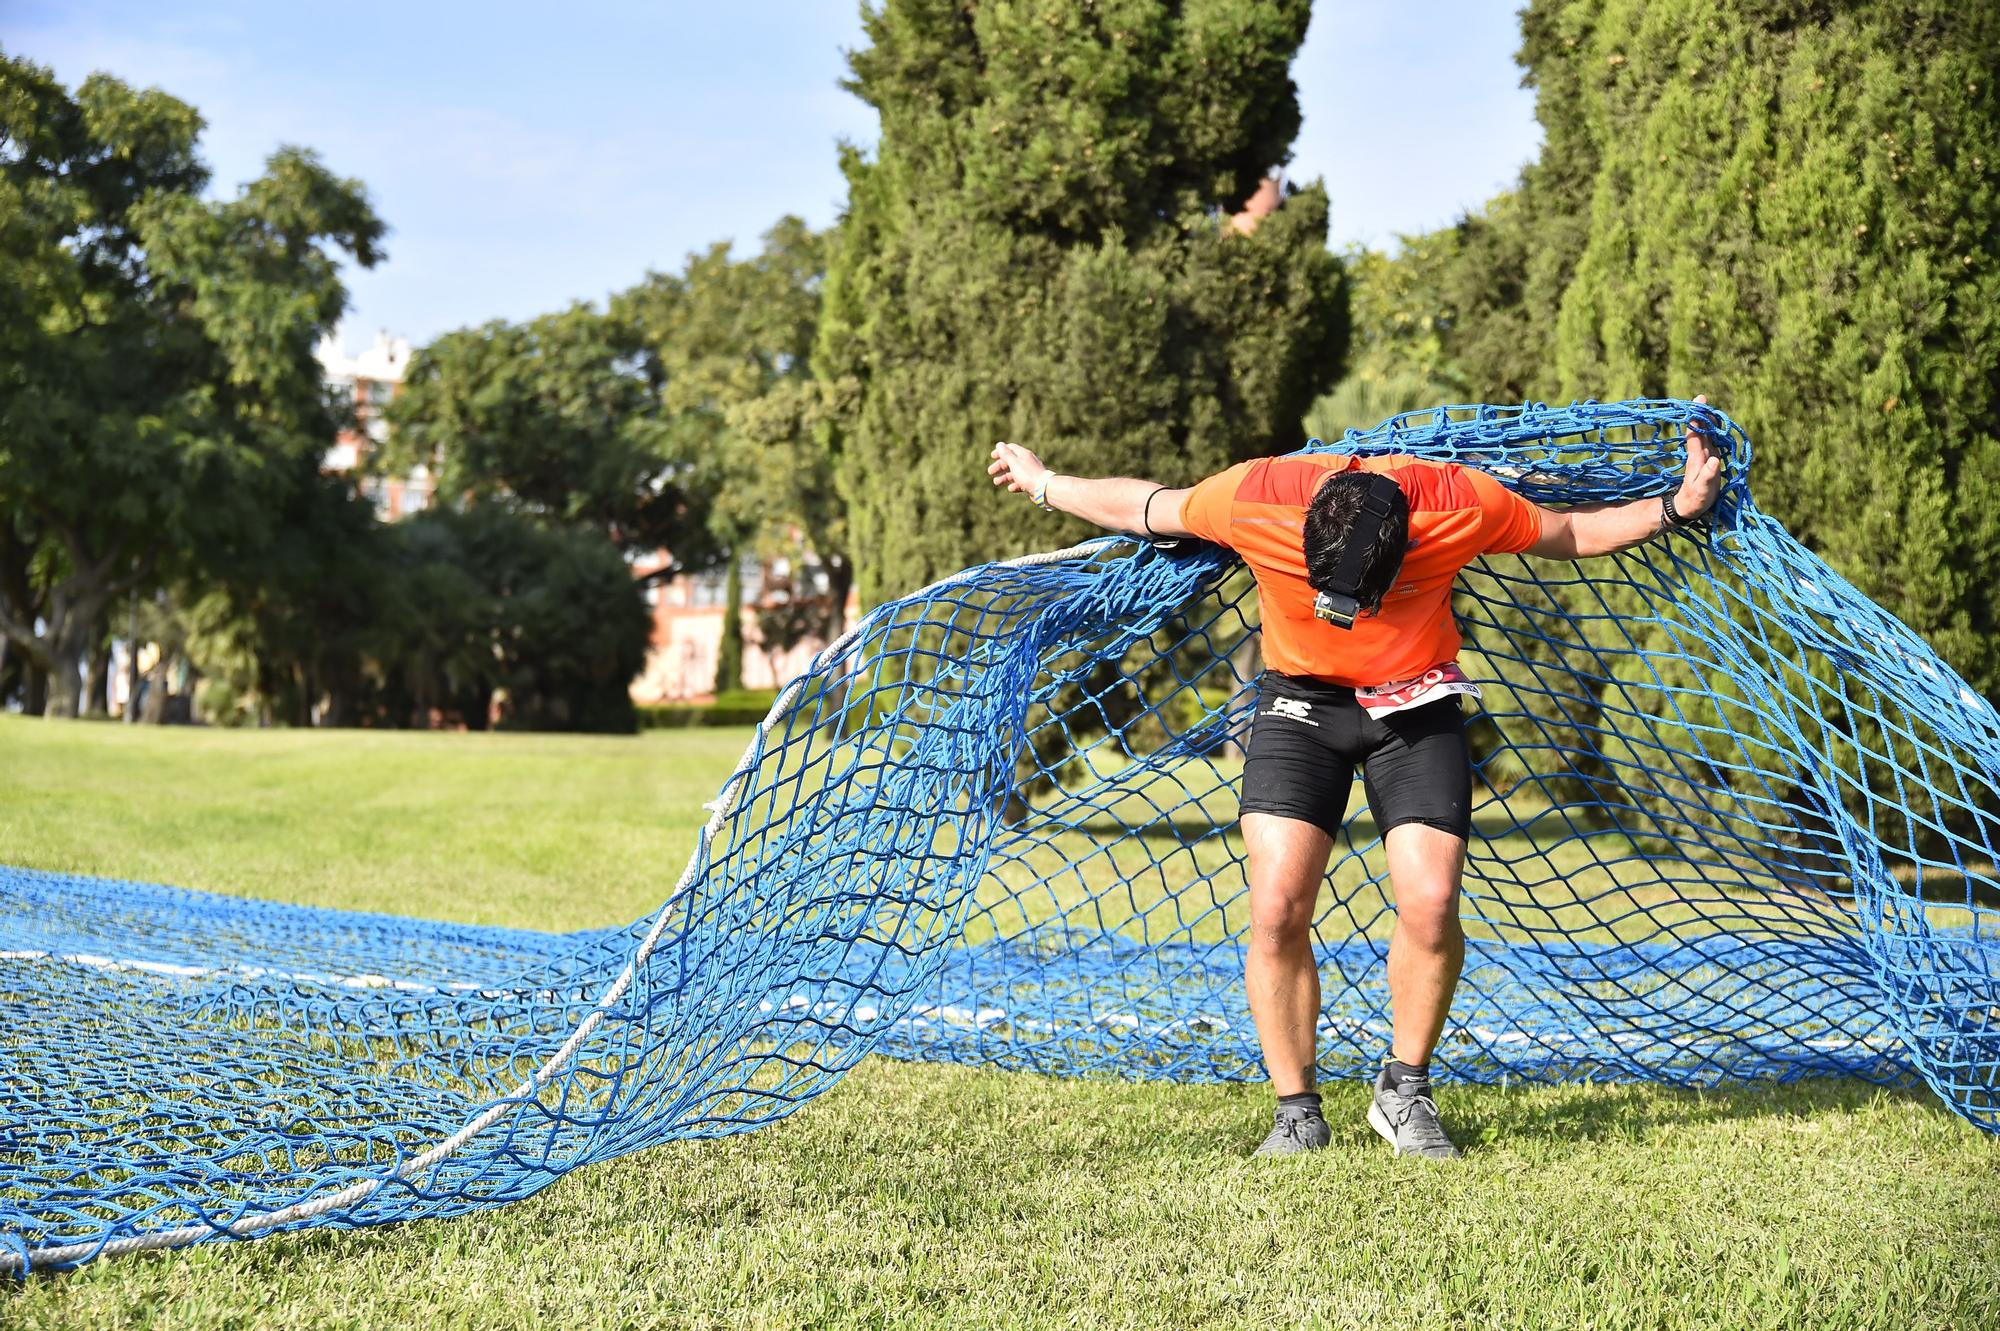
{"x":1292,"y":709}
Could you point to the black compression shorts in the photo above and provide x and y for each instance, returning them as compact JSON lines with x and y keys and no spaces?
{"x":1310,"y":736}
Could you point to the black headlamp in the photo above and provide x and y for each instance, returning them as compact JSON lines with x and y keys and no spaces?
{"x":1337,"y":604}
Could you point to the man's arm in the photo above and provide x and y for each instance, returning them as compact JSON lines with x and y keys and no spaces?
{"x":1605,"y":529}
{"x":1115,"y":503}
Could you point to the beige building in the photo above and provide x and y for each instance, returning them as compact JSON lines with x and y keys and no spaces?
{"x":687,"y":630}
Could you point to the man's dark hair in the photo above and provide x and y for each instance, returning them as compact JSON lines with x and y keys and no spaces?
{"x":1330,"y":521}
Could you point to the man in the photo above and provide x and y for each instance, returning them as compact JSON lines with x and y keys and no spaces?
{"x":1355,"y":560}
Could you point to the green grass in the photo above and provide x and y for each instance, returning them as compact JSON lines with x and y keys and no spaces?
{"x":940,"y":1196}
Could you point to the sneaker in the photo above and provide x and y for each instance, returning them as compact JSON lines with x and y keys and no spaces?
{"x":1296,"y":1130}
{"x":1407,"y":1118}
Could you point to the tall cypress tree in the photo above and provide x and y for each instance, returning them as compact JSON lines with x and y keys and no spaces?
{"x":1788,"y":205}
{"x":1795,"y":209}
{"x":1040,"y":250}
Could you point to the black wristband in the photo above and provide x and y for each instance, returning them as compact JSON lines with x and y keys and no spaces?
{"x":1673,"y":517}
{"x":1146,"y":514}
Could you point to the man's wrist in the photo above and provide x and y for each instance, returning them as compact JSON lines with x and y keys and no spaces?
{"x":1039,"y":493}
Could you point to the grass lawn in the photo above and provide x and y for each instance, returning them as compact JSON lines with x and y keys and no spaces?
{"x":945,"y":1196}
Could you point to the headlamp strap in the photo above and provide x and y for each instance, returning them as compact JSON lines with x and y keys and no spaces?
{"x":1378,"y":504}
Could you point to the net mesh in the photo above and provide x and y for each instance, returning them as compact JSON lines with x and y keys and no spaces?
{"x":1732,"y":821}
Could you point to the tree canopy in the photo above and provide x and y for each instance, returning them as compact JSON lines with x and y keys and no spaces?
{"x":1039,"y":250}
{"x":1789,"y":206}
{"x":157,"y":380}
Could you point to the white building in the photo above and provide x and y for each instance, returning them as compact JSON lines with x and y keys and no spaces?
{"x":372,"y":378}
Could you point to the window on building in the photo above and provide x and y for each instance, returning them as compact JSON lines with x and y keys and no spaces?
{"x":707,"y":589}
{"x":379,"y":392}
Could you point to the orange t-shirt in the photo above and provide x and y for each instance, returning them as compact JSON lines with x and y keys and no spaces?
{"x":1258,"y":509}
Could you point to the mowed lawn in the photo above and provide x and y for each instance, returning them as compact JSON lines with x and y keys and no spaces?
{"x":918,"y":1195}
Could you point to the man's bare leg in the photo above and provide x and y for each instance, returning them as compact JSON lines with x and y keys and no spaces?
{"x":1426,"y":953}
{"x":1287,"y":864}
{"x":1427,"y":949}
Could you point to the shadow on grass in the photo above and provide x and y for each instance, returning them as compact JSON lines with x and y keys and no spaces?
{"x":1616,"y":1111}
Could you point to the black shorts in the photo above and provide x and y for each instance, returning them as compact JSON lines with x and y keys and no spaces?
{"x":1309,"y":737}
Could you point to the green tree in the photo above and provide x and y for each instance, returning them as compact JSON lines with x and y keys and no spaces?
{"x":559,"y":623}
{"x":1039,"y":250}
{"x":792,"y":615}
{"x":558,"y":419}
{"x":676,"y":419}
{"x":1795,"y":209}
{"x":156,"y":366}
{"x":728,"y":347}
{"x":729,"y":652}
{"x":1789,"y":206}
{"x":295,"y":636}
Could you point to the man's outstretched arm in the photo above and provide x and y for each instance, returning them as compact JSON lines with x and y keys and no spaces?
{"x":1606,"y":529}
{"x":1117,"y":503}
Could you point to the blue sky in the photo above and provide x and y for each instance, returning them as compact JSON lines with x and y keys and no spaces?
{"x":525,"y":156}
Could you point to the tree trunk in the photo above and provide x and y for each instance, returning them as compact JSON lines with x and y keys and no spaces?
{"x":97,"y":679}
{"x":65,"y":686}
{"x":155,"y":711}
{"x":131,"y":709}
{"x":35,"y":691}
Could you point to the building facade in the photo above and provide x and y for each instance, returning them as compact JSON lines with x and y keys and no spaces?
{"x":371,"y":380}
{"x":688,"y":615}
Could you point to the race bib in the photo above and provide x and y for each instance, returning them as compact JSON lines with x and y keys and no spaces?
{"x":1438,"y":682}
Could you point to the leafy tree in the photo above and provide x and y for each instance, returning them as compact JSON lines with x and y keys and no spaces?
{"x":557,"y":621}
{"x":1790,"y":206}
{"x":1795,"y":209}
{"x":1038,"y":250}
{"x":728,"y":348}
{"x":296,"y":636}
{"x":557,"y":419}
{"x":791,"y":616}
{"x":658,"y":421}
{"x":156,"y":367}
{"x":360,"y":622}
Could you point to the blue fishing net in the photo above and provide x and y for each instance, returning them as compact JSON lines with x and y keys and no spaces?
{"x":1732,"y":821}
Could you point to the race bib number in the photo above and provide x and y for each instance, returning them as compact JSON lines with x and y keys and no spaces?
{"x":1436,"y":683}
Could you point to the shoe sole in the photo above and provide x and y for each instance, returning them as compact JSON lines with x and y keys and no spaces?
{"x":1387,"y":1132}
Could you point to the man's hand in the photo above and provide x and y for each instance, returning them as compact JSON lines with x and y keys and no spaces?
{"x":1016,"y":468}
{"x":1113,"y":503}
{"x":1605,"y":529}
{"x":1702,"y":483}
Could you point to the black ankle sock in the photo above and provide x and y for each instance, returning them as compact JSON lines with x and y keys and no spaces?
{"x":1304,"y":1101}
{"x":1394,"y":1074}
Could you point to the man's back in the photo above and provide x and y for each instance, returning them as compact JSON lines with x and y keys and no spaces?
{"x":1258,"y":509}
